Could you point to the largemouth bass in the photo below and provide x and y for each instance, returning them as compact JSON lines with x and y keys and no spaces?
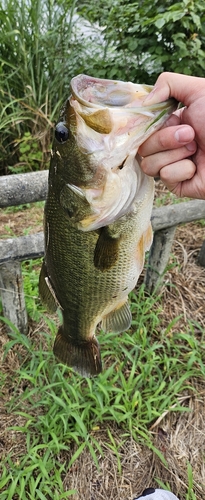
{"x":97,"y":213}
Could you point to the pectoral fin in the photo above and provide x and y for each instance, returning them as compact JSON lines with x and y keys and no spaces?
{"x":118,"y":320}
{"x":106,"y":250}
{"x":46,"y":291}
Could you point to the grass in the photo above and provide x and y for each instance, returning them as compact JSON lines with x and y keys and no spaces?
{"x":43,"y":45}
{"x":30,"y":273}
{"x":59,"y":415}
{"x":51,"y":417}
{"x":53,"y":421}
{"x":24,"y":206}
{"x":168,"y":198}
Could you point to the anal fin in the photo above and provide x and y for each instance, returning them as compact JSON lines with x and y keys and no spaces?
{"x":82,"y":355}
{"x":106,"y":250}
{"x":46,"y":291}
{"x":118,"y":320}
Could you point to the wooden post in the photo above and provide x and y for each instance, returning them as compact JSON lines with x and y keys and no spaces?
{"x":158,"y":258}
{"x":11,"y":285}
{"x":201,"y":256}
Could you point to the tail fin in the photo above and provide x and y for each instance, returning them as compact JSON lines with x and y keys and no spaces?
{"x":83,"y":356}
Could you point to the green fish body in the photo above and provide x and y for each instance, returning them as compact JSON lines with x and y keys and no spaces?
{"x":97,"y":214}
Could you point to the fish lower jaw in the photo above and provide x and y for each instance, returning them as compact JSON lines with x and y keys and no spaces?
{"x":93,"y":223}
{"x":106,"y":212}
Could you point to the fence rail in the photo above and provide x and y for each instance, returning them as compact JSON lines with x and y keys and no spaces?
{"x":26,"y":188}
{"x":23,"y":188}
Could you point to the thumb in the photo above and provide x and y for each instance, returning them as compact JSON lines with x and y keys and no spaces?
{"x":182,"y":87}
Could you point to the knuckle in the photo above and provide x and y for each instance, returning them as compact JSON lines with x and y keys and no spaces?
{"x":145,"y":165}
{"x":165,"y":173}
{"x":163,"y":76}
{"x":191,"y":169}
{"x":162,"y":140}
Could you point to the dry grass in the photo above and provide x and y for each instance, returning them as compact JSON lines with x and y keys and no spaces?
{"x":181,"y":439}
{"x":178,"y":435}
{"x":15,"y":223}
{"x":184,"y":283}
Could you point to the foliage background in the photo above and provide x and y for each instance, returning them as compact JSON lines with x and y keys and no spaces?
{"x":43,"y":44}
{"x":143,"y":418}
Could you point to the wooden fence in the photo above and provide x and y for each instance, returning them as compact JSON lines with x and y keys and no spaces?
{"x":32,"y":187}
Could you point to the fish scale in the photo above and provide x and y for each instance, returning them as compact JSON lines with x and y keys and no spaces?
{"x":79,"y":267}
{"x":97,"y":214}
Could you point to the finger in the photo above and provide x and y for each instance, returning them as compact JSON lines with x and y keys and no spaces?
{"x":173,"y":120}
{"x":166,"y":139}
{"x":177,"y":172}
{"x":151,"y":165}
{"x":182,"y":87}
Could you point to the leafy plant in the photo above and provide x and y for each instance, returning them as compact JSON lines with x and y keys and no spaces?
{"x":42,"y":47}
{"x":30,"y":273}
{"x":44,"y":44}
{"x":30,"y":155}
{"x":148,"y":38}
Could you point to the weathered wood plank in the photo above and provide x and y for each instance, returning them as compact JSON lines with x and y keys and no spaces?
{"x":22,"y":248}
{"x":27,"y":188}
{"x":32,"y":187}
{"x":32,"y":246}
{"x":14,"y":250}
{"x":23,"y":188}
{"x":172,"y":215}
{"x":12,"y":294}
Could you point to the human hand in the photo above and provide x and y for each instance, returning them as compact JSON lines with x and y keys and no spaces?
{"x":177,"y":151}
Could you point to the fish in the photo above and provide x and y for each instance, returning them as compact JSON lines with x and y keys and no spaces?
{"x":97,"y":214}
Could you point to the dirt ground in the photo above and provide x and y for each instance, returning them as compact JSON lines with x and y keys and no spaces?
{"x":180,"y":436}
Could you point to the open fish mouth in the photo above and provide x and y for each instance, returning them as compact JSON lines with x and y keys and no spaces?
{"x":110,"y":124}
{"x":98,"y":94}
{"x":116,"y":107}
{"x":95,"y":92}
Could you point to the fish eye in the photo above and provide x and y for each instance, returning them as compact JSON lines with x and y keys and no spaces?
{"x":61,"y":132}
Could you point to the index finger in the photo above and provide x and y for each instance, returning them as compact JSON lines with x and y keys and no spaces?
{"x":166,"y":139}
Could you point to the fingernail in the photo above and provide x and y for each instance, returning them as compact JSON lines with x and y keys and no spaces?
{"x":184,"y":134}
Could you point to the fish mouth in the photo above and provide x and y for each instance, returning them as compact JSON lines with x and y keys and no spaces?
{"x":114,"y":105}
{"x":94,"y":92}
{"x":111,"y":123}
